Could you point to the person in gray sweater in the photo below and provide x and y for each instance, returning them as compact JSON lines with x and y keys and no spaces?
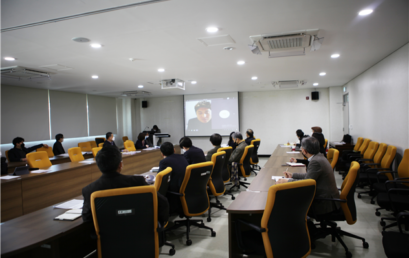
{"x":321,"y":171}
{"x":241,"y":146}
{"x":216,"y":140}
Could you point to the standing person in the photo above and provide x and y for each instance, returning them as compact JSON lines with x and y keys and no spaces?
{"x":192,"y":154}
{"x":19,"y":152}
{"x":58,"y":148}
{"x":155,"y":129}
{"x":250,"y":136}
{"x":231,"y":143}
{"x":140,"y":144}
{"x":110,"y":140}
{"x":216,"y":140}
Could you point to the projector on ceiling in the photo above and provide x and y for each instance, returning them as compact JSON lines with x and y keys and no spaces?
{"x":172,"y":84}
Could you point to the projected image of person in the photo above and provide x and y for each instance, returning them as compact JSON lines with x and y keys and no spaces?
{"x":203,"y":120}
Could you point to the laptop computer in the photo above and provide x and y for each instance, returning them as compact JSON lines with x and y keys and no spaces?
{"x":18,"y":171}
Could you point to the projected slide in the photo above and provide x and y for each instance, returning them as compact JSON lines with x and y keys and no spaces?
{"x":206,"y":114}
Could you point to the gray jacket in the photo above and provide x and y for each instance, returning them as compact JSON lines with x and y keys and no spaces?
{"x":211,"y":152}
{"x":321,"y":171}
{"x":238,"y":152}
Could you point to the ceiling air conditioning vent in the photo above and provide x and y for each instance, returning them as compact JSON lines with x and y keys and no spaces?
{"x":21,"y":73}
{"x":172,"y":84}
{"x":135,"y":93}
{"x":284,"y":42}
{"x":288,"y":84}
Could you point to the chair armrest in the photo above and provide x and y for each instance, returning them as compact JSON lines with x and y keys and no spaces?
{"x":160,"y":227}
{"x":398,"y":190}
{"x":396,"y":182}
{"x":370,"y":164}
{"x":404,"y":178}
{"x":174,"y":193}
{"x":366,"y":160}
{"x":330,"y":199}
{"x":256,"y":228}
{"x":384,"y":172}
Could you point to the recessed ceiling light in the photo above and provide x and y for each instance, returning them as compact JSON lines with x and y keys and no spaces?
{"x":8,"y":58}
{"x":193,"y":82}
{"x":254,"y":78}
{"x":315,"y":84}
{"x":365,"y":12}
{"x":140,"y":86}
{"x":323,"y":74}
{"x":161,"y":70}
{"x":334,"y":55}
{"x":96,"y":45}
{"x":241,"y":62}
{"x":95,"y":77}
{"x":212,"y":29}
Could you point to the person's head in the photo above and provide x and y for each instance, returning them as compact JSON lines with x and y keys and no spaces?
{"x":316,"y":129}
{"x":216,"y":139}
{"x":185,"y":143}
{"x":109,"y":136}
{"x":155,"y":127}
{"x":310,"y":146}
{"x":109,"y":160}
{"x":203,"y":111}
{"x":59,"y":137}
{"x":237,"y":137}
{"x":167,"y":149}
{"x":141,"y":136}
{"x":250,"y":133}
{"x":18,"y":142}
{"x":299,"y":133}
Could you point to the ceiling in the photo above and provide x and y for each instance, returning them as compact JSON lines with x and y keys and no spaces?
{"x":165,"y":35}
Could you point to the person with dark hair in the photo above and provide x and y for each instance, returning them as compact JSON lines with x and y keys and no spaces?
{"x":155,"y":129}
{"x":140,"y":144}
{"x":231,"y":143}
{"x":110,"y":140}
{"x":109,"y":162}
{"x":317,"y":133}
{"x":241,"y":145}
{"x":216,"y":140}
{"x":250,"y":136}
{"x":202,"y":122}
{"x":58,"y":148}
{"x":321,"y":171}
{"x":19,"y":152}
{"x":192,"y":154}
{"x":178,"y":164}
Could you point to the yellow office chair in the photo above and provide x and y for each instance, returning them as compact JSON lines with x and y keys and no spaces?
{"x":7,"y":156}
{"x":254,"y":158}
{"x":38,"y":160}
{"x":49,"y":151}
{"x":98,"y":140}
{"x":358,"y":143}
{"x":226,"y":169}
{"x":85,"y":146}
{"x":244,"y":165}
{"x":93,"y":144}
{"x":95,"y":151}
{"x":75,"y":154}
{"x":129,"y":145}
{"x":125,"y":138}
{"x":326,"y":143}
{"x":101,"y":144}
{"x":332,"y":157}
{"x":216,"y":184}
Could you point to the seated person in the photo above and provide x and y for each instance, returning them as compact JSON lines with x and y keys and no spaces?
{"x":178,"y":164}
{"x":231,"y":143}
{"x":300,"y":135}
{"x":317,"y":133}
{"x":192,"y":154}
{"x":57,"y":148}
{"x":19,"y":152}
{"x":241,"y":145}
{"x":140,"y":144}
{"x":250,"y":136}
{"x":321,"y":171}
{"x":216,"y":140}
{"x":110,"y":140}
{"x":148,"y":141}
{"x":4,"y":167}
{"x":109,"y":161}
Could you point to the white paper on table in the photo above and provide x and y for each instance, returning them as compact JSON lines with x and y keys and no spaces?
{"x":39,"y":171}
{"x":85,"y":152}
{"x":155,"y":169}
{"x":8,"y":177}
{"x":151,"y":148}
{"x":74,"y":211}
{"x":63,"y":155}
{"x":293,"y":164}
{"x":339,"y":143}
{"x":130,"y":152}
{"x":277,"y":177}
{"x":285,"y":146}
{"x":73,"y":204}
{"x":293,"y":152}
{"x":87,"y":161}
{"x":68,"y":216}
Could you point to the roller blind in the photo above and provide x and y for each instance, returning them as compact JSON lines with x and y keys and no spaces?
{"x":102,"y":115}
{"x":24,"y":113}
{"x":68,"y":114}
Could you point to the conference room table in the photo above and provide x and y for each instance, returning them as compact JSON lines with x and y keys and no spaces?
{"x":34,"y":191}
{"x":249,"y":205}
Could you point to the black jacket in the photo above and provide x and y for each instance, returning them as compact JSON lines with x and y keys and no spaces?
{"x":195,"y":127}
{"x":248,"y":140}
{"x":58,"y":149}
{"x":107,"y":143}
{"x":140,"y":145}
{"x":4,"y":167}
{"x":15,"y":155}
{"x":320,"y":137}
{"x":194,"y":155}
{"x":116,"y":180}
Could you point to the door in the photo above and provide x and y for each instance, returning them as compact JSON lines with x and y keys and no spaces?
{"x":346,"y":113}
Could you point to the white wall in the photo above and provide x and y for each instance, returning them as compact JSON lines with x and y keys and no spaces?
{"x":378,"y":101}
{"x":336,"y":114}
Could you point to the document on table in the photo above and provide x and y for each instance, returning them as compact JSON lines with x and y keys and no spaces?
{"x":151,"y":148}
{"x":155,"y":169}
{"x":63,"y":155}
{"x":296,"y":164}
{"x":73,"y":204}
{"x":338,"y":143}
{"x":129,"y":152}
{"x":87,"y":161}
{"x":8,"y":177}
{"x":70,"y":215}
{"x":276,"y":177}
{"x":285,"y":146}
{"x":39,"y":171}
{"x":293,"y":152}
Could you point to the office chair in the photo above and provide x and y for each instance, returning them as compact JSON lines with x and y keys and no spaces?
{"x":244,"y":166}
{"x":98,"y":140}
{"x":368,"y":154}
{"x":326,"y":144}
{"x":49,"y":151}
{"x":85,"y":146}
{"x":226,"y":169}
{"x":395,"y":244}
{"x":285,"y":202}
{"x":347,"y":212}
{"x":101,"y":144}
{"x":254,"y":158}
{"x":75,"y":154}
{"x":126,"y":222}
{"x":38,"y":160}
{"x":95,"y":151}
{"x":93,"y":144}
{"x":7,"y":156}
{"x":332,"y":156}
{"x":129,"y":145}
{"x":356,"y":149}
{"x":194,"y":198}
{"x":216,"y":184}
{"x":125,"y":138}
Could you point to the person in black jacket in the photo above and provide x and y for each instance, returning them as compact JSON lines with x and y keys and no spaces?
{"x":109,"y":161}
{"x":192,"y":154}
{"x":141,"y":144}
{"x":57,"y":148}
{"x":19,"y":152}
{"x":216,"y":140}
{"x":178,"y":164}
{"x":110,"y":140}
{"x":231,"y":142}
{"x":250,"y":136}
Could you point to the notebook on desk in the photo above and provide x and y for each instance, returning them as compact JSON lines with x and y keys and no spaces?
{"x":18,"y":171}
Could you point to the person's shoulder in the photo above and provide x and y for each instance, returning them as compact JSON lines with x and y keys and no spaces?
{"x":134,"y":179}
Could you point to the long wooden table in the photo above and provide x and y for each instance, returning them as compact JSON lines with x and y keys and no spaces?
{"x":35,"y":191}
{"x":249,"y":205}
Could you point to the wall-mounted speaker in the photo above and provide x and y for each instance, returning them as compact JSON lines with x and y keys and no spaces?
{"x":144,"y":104}
{"x":315,"y":95}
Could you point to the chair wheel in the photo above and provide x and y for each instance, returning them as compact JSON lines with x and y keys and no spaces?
{"x":188,"y":242}
{"x":359,"y":196}
{"x":366,"y":245}
{"x":172,"y":252}
{"x":377,"y":213}
{"x":233,"y":197}
{"x":245,"y":179}
{"x":383,"y":223}
{"x":209,"y":219}
{"x":213,"y":233}
{"x":372,"y":202}
{"x":348,"y":254}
